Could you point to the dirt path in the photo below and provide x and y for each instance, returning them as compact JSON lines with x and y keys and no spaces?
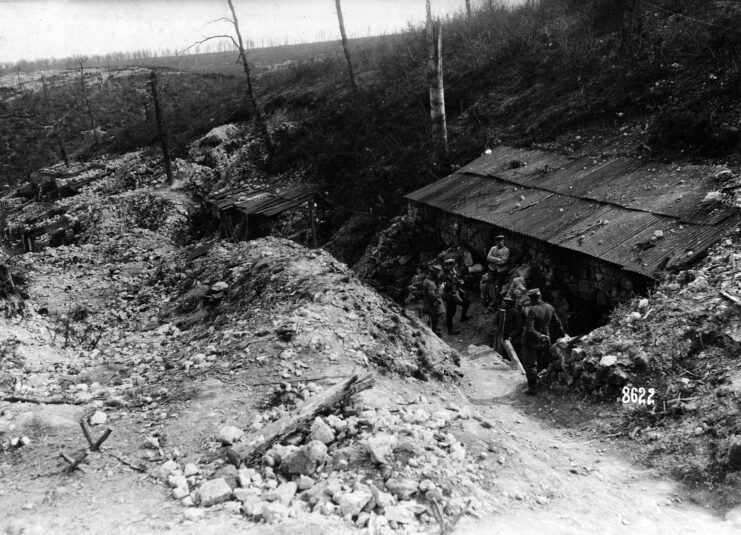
{"x":566,"y":481}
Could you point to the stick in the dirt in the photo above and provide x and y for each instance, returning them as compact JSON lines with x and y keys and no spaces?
{"x":39,"y":401}
{"x":511,"y":352}
{"x":303,"y":380}
{"x":86,"y":431}
{"x":125,"y":461}
{"x":303,"y":417}
{"x":74,"y":463}
{"x":103,"y":437}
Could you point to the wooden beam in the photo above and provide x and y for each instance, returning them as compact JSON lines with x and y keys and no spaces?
{"x":302,"y":419}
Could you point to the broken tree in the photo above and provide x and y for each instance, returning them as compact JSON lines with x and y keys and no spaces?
{"x":161,"y":131}
{"x":289,"y":425}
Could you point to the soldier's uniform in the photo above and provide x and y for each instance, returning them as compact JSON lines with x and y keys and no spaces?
{"x":453,"y":295}
{"x":536,"y":338}
{"x":498,"y":262}
{"x":432,"y":300}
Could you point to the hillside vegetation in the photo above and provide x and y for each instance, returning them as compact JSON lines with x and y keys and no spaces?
{"x":551,"y":72}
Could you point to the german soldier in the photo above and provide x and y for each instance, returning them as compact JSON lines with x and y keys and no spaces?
{"x":432,"y":298}
{"x":498,"y":262}
{"x":453,"y":295}
{"x":536,"y":340}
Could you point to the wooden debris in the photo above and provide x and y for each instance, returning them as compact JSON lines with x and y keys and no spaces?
{"x":303,"y":418}
{"x":302,"y":380}
{"x":511,"y":352}
{"x":123,"y":460}
{"x":39,"y":401}
{"x":94,"y":444}
{"x":74,"y":463}
{"x":732,"y":298}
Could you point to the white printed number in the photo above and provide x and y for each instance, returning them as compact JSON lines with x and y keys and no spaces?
{"x":638,"y":395}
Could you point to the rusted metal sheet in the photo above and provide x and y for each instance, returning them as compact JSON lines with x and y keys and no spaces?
{"x":610,"y":209}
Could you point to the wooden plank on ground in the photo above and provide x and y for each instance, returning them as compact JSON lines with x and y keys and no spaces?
{"x":302,"y":418}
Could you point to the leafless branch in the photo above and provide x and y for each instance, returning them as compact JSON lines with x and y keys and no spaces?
{"x":208,"y":39}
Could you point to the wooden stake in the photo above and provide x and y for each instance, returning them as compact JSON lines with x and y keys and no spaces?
{"x":103,"y":437}
{"x":74,"y":464}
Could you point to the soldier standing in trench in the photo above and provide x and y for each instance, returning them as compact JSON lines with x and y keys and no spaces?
{"x":498,"y":261}
{"x":453,"y":295}
{"x":536,"y":339}
{"x":432,"y":298}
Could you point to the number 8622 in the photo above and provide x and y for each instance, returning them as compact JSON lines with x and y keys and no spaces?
{"x":639,"y":396}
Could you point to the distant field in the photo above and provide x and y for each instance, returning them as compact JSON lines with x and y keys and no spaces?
{"x":262,"y":58}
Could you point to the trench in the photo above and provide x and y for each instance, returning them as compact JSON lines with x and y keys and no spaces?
{"x":583,"y":289}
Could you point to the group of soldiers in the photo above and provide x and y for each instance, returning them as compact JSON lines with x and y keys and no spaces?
{"x":521,"y":317}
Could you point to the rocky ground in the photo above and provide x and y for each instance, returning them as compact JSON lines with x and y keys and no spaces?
{"x":193,"y":353}
{"x":682,"y":341}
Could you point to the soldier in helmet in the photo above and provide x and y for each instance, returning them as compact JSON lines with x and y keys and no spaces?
{"x":453,"y":295}
{"x":432,"y":298}
{"x":541,"y":322}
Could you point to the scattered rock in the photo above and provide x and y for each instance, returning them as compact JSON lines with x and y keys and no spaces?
{"x":401,"y":513}
{"x":283,"y":493}
{"x":98,"y":418}
{"x":381,"y":446}
{"x":214,"y":491}
{"x":321,"y":431}
{"x":351,"y":504}
{"x":274,"y":512}
{"x":229,"y":434}
{"x":402,"y":488}
{"x":306,"y":459}
{"x":304,"y":482}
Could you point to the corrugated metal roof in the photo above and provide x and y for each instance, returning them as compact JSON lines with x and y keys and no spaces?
{"x":609,"y":209}
{"x":266,"y":204}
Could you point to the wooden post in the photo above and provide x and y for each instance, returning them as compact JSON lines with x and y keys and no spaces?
{"x":343,"y":35}
{"x":500,"y":330}
{"x":437,"y":91}
{"x":313,"y":222}
{"x":161,"y":127}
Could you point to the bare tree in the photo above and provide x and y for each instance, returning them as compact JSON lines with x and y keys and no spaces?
{"x":345,"y":49}
{"x":161,"y":127}
{"x":435,"y":82}
{"x":80,"y":62}
{"x":56,"y":126}
{"x":469,"y":13}
{"x":239,"y":44}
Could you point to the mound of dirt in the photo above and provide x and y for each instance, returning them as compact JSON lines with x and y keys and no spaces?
{"x":311,"y":301}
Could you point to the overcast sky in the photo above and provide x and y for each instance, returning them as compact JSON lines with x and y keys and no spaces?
{"x":33,"y":29}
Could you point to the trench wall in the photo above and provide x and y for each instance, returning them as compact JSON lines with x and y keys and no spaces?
{"x":584,"y":289}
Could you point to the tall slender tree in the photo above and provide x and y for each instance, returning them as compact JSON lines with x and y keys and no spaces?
{"x":56,"y":126}
{"x":345,"y":48}
{"x":469,"y":13}
{"x":437,"y":88}
{"x":259,"y":117}
{"x":80,"y":62}
{"x":260,"y":120}
{"x":161,"y":130}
